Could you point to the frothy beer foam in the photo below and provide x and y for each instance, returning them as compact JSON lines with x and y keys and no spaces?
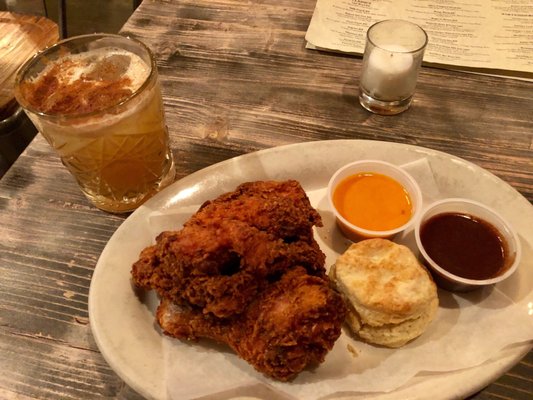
{"x":87,"y":82}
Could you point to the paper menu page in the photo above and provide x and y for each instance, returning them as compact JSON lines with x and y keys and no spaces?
{"x":490,"y":34}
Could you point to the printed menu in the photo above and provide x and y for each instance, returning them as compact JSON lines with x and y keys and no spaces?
{"x":466,"y":34}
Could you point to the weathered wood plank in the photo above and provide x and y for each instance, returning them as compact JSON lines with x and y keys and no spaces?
{"x":21,"y":36}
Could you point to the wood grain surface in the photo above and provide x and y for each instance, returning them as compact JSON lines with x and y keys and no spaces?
{"x":20,"y":37}
{"x":236,"y":78}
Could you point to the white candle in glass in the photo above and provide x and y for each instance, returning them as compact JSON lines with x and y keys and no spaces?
{"x":390,"y":74}
{"x":393,"y":55}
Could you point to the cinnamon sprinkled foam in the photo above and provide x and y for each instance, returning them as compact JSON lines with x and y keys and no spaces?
{"x":82,"y":83}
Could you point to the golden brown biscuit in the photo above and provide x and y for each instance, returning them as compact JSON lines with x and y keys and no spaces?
{"x":391,"y":296}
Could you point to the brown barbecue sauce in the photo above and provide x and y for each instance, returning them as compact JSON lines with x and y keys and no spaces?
{"x":464,"y":245}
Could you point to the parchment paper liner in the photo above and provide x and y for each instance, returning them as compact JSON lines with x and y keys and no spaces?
{"x":469,"y":329}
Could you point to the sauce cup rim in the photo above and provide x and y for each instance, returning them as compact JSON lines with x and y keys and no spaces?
{"x":509,"y":234}
{"x":416,"y":197}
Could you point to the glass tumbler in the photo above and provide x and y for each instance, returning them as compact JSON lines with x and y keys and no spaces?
{"x":97,"y":101}
{"x":393,"y":55}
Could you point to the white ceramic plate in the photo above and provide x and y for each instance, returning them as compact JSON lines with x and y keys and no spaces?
{"x":122,"y":320}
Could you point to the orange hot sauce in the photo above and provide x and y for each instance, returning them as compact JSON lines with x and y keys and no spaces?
{"x":373,"y":201}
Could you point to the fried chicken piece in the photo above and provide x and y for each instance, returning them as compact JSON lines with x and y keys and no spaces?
{"x":221,"y":266}
{"x":245,"y":270}
{"x":280,"y":208}
{"x":232,"y":247}
{"x":290,"y":325}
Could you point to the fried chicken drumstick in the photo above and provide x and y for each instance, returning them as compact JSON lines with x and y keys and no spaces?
{"x":293,"y":323}
{"x":246,"y":270}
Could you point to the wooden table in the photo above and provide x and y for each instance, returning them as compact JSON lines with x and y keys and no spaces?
{"x":236,"y":78}
{"x":20,"y":37}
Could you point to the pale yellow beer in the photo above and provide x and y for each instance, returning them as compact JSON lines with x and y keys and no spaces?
{"x":97,"y":101}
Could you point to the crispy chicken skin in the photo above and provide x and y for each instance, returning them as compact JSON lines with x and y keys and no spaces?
{"x":232,"y":247}
{"x":220,"y":266}
{"x":278,"y":208}
{"x":246,"y":270}
{"x":290,"y":325}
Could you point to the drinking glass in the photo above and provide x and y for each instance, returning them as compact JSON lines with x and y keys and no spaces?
{"x":97,"y":101}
